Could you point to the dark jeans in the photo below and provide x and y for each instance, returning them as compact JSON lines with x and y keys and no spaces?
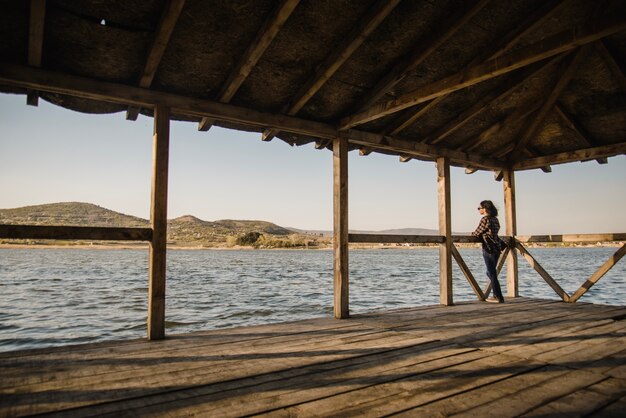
{"x":491,"y":261}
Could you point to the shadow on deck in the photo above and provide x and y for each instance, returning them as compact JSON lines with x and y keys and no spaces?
{"x":525,"y":357}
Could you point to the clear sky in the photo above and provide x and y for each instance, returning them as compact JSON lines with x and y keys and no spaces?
{"x":49,"y":154}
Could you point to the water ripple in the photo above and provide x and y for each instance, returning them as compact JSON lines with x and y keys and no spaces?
{"x":95,"y":295}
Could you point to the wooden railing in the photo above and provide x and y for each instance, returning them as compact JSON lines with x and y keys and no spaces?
{"x":580,"y":238}
{"x":75,"y":233}
{"x":516,"y":243}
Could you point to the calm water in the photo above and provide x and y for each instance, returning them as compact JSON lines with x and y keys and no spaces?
{"x":53,"y":297}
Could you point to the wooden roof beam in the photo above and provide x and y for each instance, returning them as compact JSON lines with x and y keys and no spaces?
{"x":255,"y":50}
{"x":28,"y":77}
{"x":35,"y":42}
{"x":337,"y":58}
{"x":497,"y":94}
{"x":584,"y":154}
{"x":531,"y":23}
{"x":421,"y":52}
{"x":164,"y":31}
{"x":577,"y":128}
{"x":611,"y":62}
{"x":554,"y":45}
{"x":533,"y":127}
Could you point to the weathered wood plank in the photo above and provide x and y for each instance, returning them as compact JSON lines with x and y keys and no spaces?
{"x":532,"y":128}
{"x":532,"y":397}
{"x":602,"y":151}
{"x":75,"y":233}
{"x":598,"y":274}
{"x":425,"y":360}
{"x":543,"y":273}
{"x":510,"y":216}
{"x":158,"y":220}
{"x":255,"y":51}
{"x":582,"y":402}
{"x":461,"y":16}
{"x":35,"y":41}
{"x":308,"y":385}
{"x":554,"y":45}
{"x":410,"y":387}
{"x":467,"y":273}
{"x":27,"y":77}
{"x":169,"y":18}
{"x":340,"y":229}
{"x":445,"y":229}
{"x":496,"y":391}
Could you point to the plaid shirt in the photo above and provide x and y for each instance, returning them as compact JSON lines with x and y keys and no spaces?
{"x":487,"y":230}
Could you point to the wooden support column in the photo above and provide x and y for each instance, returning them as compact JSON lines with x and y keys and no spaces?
{"x":158,"y":221}
{"x":445,"y":229}
{"x":512,"y":284}
{"x":340,"y":227}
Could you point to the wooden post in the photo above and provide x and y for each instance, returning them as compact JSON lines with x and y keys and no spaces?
{"x":445,"y":229}
{"x":512,"y":284}
{"x":340,"y":227}
{"x":158,"y":221}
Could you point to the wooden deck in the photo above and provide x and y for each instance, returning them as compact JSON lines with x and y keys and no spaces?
{"x":526,"y":357}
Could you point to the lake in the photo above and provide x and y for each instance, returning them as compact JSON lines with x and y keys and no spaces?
{"x":54,"y":297}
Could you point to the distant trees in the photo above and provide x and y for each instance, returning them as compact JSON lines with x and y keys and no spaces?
{"x":249,"y":238}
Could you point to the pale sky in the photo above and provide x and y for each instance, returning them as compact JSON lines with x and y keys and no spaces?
{"x":49,"y":154}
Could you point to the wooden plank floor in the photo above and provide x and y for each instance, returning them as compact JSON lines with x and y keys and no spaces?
{"x":526,"y":357}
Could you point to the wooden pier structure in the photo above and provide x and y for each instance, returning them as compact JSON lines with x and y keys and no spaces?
{"x":529,"y":357}
{"x":503,"y":86}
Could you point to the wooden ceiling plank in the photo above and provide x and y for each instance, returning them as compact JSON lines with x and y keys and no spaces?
{"x":612,"y":64}
{"x":581,"y":133}
{"x":337,"y":58}
{"x":532,"y":22}
{"x":546,"y":48}
{"x":35,"y":42}
{"x":420,"y":54}
{"x":272,"y":25}
{"x":564,"y":79}
{"x":497,"y":94}
{"x":164,"y":31}
{"x":600,"y":152}
{"x":28,"y":77}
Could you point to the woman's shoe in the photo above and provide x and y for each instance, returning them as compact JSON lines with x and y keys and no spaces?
{"x":493,"y":300}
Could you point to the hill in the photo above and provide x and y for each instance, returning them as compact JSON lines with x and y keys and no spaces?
{"x":70,"y":214}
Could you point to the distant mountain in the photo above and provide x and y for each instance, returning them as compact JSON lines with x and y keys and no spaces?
{"x":186,"y":229}
{"x":402,"y":231}
{"x":70,"y":214}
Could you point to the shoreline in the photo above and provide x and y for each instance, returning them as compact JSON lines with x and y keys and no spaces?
{"x":178,"y":247}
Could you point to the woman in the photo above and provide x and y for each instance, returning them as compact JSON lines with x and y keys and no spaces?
{"x":487,"y":230}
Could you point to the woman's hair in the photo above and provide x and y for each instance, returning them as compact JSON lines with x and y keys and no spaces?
{"x":489,"y":207}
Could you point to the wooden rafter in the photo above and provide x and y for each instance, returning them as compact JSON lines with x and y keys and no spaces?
{"x":554,"y":45}
{"x":514,"y":117}
{"x":574,"y":125}
{"x":27,"y":77}
{"x":35,"y":41}
{"x":255,"y":50}
{"x":337,"y":58}
{"x":505,"y":44}
{"x":422,"y":52}
{"x":164,"y":31}
{"x":533,"y":127}
{"x":612,"y":64}
{"x":497,"y":94}
{"x":592,"y":153}
{"x":581,"y":133}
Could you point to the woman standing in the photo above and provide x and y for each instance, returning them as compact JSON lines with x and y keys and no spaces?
{"x":487,"y":230}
